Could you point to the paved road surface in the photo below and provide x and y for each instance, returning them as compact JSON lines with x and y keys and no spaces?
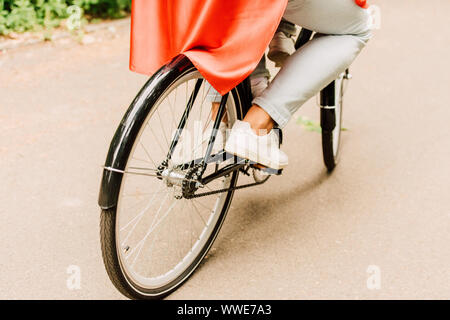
{"x":303,"y":235}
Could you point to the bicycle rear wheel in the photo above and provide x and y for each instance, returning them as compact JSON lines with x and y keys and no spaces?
{"x":154,"y":238}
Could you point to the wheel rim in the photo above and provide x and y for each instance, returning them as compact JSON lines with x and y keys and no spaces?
{"x":158,"y":235}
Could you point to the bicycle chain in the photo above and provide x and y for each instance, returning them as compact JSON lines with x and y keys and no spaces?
{"x":204,"y":194}
{"x":189,"y":187}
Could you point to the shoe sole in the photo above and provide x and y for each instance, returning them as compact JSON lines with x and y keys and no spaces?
{"x":252,"y":156}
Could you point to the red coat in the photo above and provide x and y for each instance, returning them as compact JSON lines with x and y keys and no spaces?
{"x":224,"y":39}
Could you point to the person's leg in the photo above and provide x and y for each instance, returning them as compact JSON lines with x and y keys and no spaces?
{"x":282,"y":44}
{"x":259,"y":79}
{"x":343,"y":31}
{"x":261,"y":69}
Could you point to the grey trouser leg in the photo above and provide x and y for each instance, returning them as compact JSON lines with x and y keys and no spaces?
{"x":343,"y":30}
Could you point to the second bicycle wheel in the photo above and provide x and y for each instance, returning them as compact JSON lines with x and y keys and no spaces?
{"x":331,"y":121}
{"x":154,"y":238}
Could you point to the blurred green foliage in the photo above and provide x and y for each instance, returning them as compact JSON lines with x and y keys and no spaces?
{"x":25,"y":15}
{"x":310,"y":125}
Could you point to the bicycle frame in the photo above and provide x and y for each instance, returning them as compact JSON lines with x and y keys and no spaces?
{"x":238,"y":163}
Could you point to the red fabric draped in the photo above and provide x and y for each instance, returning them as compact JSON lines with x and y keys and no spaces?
{"x":224,"y":39}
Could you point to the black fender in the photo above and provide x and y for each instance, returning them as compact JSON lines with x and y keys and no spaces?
{"x":125,"y":135}
{"x":328,"y":116}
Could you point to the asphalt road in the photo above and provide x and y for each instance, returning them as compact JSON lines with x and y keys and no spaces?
{"x":305,"y":235}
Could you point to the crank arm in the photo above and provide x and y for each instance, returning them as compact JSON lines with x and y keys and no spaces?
{"x":239,"y":164}
{"x":222,"y":172}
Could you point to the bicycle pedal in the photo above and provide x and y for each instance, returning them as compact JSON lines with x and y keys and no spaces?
{"x":270,"y":171}
{"x":266,"y":170}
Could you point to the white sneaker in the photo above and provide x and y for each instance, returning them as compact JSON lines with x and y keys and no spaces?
{"x":193,"y":146}
{"x":258,"y":85}
{"x":264,"y":150}
{"x":280,"y":47}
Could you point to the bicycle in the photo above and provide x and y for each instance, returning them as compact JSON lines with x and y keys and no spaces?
{"x":142,"y":189}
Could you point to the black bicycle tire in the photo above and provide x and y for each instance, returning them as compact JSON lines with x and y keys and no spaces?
{"x":108,"y":216}
{"x":327,"y":117}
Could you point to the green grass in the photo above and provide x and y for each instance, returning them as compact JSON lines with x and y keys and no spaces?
{"x":34,"y":15}
{"x":311,"y":126}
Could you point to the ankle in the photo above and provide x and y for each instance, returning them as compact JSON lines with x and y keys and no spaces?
{"x":262,"y":128}
{"x":259,"y":120}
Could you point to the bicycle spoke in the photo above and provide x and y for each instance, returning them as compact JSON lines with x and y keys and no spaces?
{"x":142,"y":160}
{"x":146,"y":236}
{"x":198,"y":212}
{"x":140,"y":243}
{"x":140,"y":215}
{"x":156,"y":138}
{"x":148,"y":154}
{"x":198,"y":202}
{"x":142,"y":194}
{"x":162,"y":128}
{"x":139,"y":218}
{"x":171,"y":108}
{"x":143,"y":168}
{"x":208,"y":120}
